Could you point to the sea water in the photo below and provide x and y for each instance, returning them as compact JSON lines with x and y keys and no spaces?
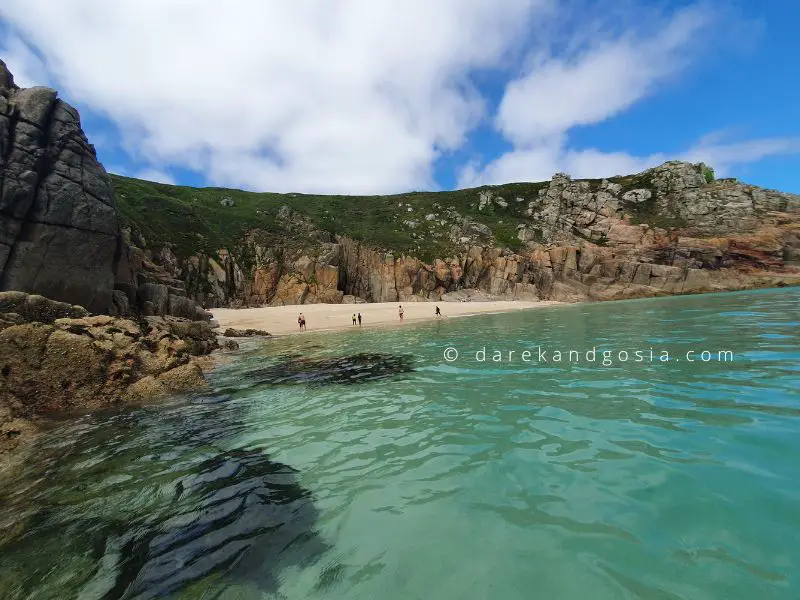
{"x":439,"y":460}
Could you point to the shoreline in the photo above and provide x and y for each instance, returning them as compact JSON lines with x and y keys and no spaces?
{"x":282,"y":320}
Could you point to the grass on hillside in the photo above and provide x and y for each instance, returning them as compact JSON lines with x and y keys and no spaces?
{"x":194,"y":220}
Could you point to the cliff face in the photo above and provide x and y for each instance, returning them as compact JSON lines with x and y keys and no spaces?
{"x":669,"y":230}
{"x":57,"y":212}
{"x":59,"y":232}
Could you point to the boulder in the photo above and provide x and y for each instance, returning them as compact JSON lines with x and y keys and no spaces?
{"x":38,"y":308}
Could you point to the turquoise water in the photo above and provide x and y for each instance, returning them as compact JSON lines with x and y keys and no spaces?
{"x":362,"y":464}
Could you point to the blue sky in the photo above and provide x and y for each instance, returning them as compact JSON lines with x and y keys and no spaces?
{"x":360,"y":97}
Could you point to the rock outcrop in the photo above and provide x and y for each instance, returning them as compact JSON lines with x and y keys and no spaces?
{"x":59,"y":230}
{"x":230,"y":332}
{"x":55,"y":357}
{"x":58,"y":224}
{"x":668,"y":230}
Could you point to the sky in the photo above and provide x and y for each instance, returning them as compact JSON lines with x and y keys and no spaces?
{"x":369,"y":97}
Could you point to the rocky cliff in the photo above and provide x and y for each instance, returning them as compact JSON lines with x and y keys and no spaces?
{"x":59,"y":231}
{"x":669,"y":230}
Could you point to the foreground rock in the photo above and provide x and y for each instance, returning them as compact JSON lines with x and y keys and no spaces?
{"x":52,"y":363}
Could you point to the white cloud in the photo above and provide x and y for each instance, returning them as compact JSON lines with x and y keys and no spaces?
{"x":539,"y":164}
{"x":26,"y":66}
{"x":559,"y":93}
{"x":147,"y":173}
{"x":346,"y":95}
{"x":156,"y":175}
{"x":594,"y":80}
{"x":361,"y":96}
{"x":723,"y":156}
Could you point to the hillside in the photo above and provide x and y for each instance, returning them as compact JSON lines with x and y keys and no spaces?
{"x":671,"y":229}
{"x":202,"y":220}
{"x":415,"y":223}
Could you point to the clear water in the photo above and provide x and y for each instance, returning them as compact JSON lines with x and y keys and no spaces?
{"x":362,"y":464}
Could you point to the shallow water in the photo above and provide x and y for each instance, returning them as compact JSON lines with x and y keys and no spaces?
{"x":362,"y":464}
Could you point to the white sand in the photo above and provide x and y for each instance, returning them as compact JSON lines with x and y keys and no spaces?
{"x":281,"y":320}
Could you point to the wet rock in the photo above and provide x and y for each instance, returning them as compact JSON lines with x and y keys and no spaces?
{"x":38,"y":308}
{"x":90,"y":362}
{"x":228,"y":344}
{"x":230,"y":332}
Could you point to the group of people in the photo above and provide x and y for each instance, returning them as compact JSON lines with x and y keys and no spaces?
{"x":357,"y":319}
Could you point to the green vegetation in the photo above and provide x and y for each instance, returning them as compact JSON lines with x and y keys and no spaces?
{"x":708,"y":174}
{"x":195,"y":220}
{"x":423,"y":224}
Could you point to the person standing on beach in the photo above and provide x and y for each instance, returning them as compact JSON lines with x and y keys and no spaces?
{"x":400,"y":312}
{"x":438,"y":312}
{"x":301,"y":320}
{"x":354,"y":319}
{"x":359,"y":319}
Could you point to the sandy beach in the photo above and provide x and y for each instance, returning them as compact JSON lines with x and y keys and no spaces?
{"x":282,"y":320}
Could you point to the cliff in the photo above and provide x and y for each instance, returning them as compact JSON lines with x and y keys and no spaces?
{"x":59,"y":231}
{"x":670,"y":230}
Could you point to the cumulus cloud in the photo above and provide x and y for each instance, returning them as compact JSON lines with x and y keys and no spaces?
{"x":596,"y":84}
{"x":597,"y":78}
{"x":343,"y":95}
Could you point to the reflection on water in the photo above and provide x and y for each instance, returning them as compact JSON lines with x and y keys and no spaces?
{"x":412,"y":477}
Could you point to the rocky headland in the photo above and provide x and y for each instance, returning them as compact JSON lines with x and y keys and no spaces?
{"x":105,"y":280}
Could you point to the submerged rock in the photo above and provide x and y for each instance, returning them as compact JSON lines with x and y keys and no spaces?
{"x":182,"y":517}
{"x":357,"y":368}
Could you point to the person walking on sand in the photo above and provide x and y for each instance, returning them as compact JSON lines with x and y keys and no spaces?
{"x":400,"y":312}
{"x":354,"y":319}
{"x":301,"y":320}
{"x":438,"y":312}
{"x":359,"y":319}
